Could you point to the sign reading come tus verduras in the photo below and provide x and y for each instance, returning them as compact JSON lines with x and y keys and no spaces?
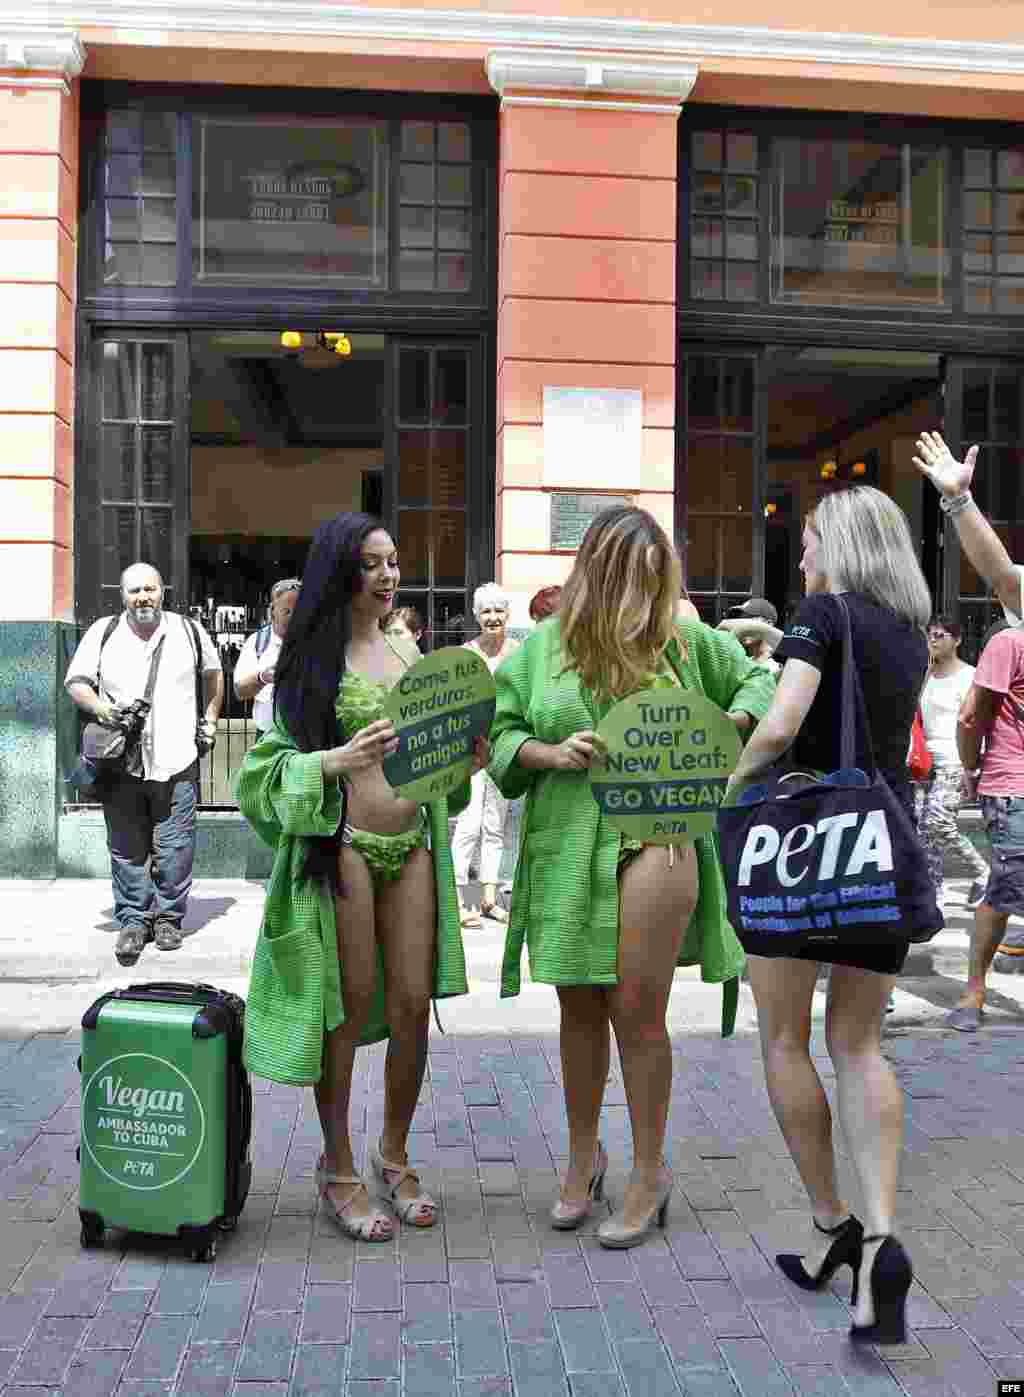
{"x":668,"y":756}
{"x":439,"y":707}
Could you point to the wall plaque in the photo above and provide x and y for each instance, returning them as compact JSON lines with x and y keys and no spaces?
{"x":592,"y":434}
{"x":572,"y":515}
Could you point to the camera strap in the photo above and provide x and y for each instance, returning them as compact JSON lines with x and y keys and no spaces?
{"x":154,"y":666}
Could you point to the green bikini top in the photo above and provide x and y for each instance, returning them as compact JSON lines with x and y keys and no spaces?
{"x":360,"y":700}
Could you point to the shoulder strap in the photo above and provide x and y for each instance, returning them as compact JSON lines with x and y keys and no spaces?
{"x":263,"y":638}
{"x":154,"y":666}
{"x":197,"y":649}
{"x":108,"y":631}
{"x":851,"y":708}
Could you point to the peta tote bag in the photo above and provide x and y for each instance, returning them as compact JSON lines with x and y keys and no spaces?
{"x":817,"y":863}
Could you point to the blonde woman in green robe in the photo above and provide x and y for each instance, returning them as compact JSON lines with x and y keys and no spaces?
{"x":361,"y":922}
{"x":606,"y":919}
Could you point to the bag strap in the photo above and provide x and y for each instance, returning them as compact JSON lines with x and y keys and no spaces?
{"x":852,"y":707}
{"x":197,"y":650}
{"x":154,"y":666}
{"x":109,"y":630}
{"x":263,"y":638}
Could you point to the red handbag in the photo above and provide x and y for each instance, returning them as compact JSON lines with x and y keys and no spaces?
{"x":919,"y":759}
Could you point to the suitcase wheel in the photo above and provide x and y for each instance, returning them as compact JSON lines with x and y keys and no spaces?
{"x":207,"y":1252}
{"x":92,"y":1234}
{"x":227,"y":1224}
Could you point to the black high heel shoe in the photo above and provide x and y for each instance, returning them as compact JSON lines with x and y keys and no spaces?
{"x":846,"y":1250}
{"x":891,"y":1274}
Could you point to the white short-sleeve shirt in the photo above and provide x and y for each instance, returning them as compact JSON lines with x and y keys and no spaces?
{"x":169,"y":737}
{"x":248,"y":665}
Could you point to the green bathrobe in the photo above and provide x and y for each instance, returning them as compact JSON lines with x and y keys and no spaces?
{"x":565,"y":902}
{"x":296,"y":986}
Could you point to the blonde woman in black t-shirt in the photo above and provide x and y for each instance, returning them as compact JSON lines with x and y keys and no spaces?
{"x":856,"y":543}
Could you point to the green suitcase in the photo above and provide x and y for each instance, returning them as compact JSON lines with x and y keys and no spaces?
{"x":166,"y":1115}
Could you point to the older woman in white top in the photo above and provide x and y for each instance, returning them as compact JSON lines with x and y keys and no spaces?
{"x":482,"y":823}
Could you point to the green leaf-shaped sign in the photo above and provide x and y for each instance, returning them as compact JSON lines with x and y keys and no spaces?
{"x":669,"y":753}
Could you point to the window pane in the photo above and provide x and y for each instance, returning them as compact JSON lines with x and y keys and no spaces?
{"x":707,"y":194}
{"x":453,"y":184}
{"x":124,"y":174}
{"x":741,"y":196}
{"x":451,"y":624}
{"x":702,"y":393}
{"x":707,"y":150}
{"x":453,"y":141}
{"x":414,"y":468}
{"x":157,"y":382}
{"x":119,"y":549}
{"x":738,"y":556}
{"x":975,"y":405}
{"x":702,"y":554}
{"x":738,"y":395}
{"x":290,"y":202}
{"x":156,"y":538}
{"x":706,"y":237}
{"x":1010,"y":212}
{"x":417,"y":184}
{"x":122,"y":264}
{"x":124,"y":130}
{"x":454,"y":228}
{"x":117,"y":463}
{"x":417,"y":226}
{"x":1010,"y":297}
{"x":160,"y":130}
{"x":158,"y":264}
{"x":449,"y":547}
{"x":1010,"y":169}
{"x":453,"y":271}
{"x":977,"y":168}
{"x":977,"y":252}
{"x":741,"y":239}
{"x":741,"y":150}
{"x":451,"y":405}
{"x":859,"y":223}
{"x":978,"y":296}
{"x":413,"y":547}
{"x":156,"y":463}
{"x":122,"y":220}
{"x":449,"y":468}
{"x":741,"y":281}
{"x":158,"y":174}
{"x":706,"y":281}
{"x":159,"y":220}
{"x":416,"y":271}
{"x":417,"y":140}
{"x":414,"y":385}
{"x":119,"y":382}
{"x":978,"y":210}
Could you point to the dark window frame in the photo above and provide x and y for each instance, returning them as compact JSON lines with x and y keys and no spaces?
{"x":198,"y":303}
{"x":951,"y":329}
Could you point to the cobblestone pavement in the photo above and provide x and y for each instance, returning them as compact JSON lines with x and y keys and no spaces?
{"x":492,"y":1301}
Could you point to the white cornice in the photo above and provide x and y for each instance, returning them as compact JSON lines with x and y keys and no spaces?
{"x":602,"y":74}
{"x":30,"y":47}
{"x":163,"y":19}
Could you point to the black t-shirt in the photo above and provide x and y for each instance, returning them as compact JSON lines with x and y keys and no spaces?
{"x":891,"y":656}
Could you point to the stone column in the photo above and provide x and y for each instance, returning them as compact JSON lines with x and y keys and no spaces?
{"x":38,"y":207}
{"x":586,"y":282}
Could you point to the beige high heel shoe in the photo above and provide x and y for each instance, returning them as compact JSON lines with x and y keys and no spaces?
{"x":565,"y":1216}
{"x":405,"y":1208}
{"x":373,"y":1227}
{"x":614,"y":1234}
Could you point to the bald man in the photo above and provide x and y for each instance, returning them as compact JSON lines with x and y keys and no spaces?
{"x":150,"y":811}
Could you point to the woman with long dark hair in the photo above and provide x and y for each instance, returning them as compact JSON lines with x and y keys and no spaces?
{"x":361,"y":923}
{"x":607,"y":919}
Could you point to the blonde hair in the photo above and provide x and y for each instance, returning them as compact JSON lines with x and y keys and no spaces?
{"x":617,"y":608}
{"x":866,"y":547}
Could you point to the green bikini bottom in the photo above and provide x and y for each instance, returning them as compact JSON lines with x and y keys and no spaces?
{"x":385,"y":854}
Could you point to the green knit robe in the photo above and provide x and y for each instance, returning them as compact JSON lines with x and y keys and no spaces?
{"x":296,"y":989}
{"x":565,"y":901}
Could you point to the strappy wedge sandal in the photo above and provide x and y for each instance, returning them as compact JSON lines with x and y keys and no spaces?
{"x":374,"y":1227}
{"x":405,"y":1208}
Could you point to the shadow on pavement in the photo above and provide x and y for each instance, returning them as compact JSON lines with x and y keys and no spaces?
{"x":201,"y":912}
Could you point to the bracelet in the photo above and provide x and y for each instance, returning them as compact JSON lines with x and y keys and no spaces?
{"x":955,"y":504}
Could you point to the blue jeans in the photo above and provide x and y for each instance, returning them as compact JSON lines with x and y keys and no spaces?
{"x":154,"y":823}
{"x":1004,"y":822}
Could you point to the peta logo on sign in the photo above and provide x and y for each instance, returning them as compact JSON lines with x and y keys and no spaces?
{"x":840,"y":845}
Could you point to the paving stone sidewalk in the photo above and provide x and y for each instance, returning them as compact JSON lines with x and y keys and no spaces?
{"x":492,"y":1301}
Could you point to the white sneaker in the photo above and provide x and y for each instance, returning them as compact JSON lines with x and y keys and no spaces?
{"x":976,"y":892}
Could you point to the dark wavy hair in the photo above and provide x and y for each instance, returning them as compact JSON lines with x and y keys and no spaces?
{"x":312,"y":660}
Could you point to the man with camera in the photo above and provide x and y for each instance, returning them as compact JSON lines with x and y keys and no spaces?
{"x":156,"y":678}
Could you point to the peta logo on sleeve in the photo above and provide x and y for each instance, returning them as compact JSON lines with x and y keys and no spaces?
{"x":838,"y":846}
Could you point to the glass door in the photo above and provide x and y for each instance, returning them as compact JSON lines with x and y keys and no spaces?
{"x":984,"y":407}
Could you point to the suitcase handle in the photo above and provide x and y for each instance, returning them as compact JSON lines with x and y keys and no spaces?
{"x":169,"y":989}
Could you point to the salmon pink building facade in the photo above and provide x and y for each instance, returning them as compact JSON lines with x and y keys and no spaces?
{"x":480,"y":271}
